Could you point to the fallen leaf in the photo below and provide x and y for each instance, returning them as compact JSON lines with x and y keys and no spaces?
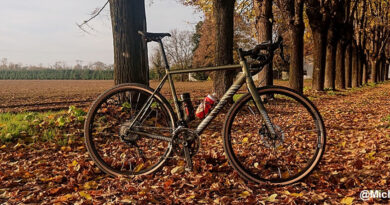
{"x":244,"y":194}
{"x":85,"y":195}
{"x":271,"y":198}
{"x":177,"y":170}
{"x":90,"y":185}
{"x":347,"y":200}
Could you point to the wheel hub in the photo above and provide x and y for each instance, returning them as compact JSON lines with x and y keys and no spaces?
{"x":124,"y":132}
{"x":270,"y":141}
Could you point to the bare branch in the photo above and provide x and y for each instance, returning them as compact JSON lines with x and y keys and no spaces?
{"x":95,"y":14}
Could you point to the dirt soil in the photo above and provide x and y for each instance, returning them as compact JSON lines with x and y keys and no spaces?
{"x":43,"y":95}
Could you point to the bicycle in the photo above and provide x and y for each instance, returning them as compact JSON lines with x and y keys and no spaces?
{"x":271,"y":134}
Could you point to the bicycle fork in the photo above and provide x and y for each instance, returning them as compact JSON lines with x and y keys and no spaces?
{"x":255,"y":95}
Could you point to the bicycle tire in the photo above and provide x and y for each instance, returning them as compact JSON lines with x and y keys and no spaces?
{"x":90,"y":136}
{"x":245,"y":165}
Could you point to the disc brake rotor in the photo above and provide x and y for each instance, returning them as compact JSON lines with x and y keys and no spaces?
{"x":268,"y":141}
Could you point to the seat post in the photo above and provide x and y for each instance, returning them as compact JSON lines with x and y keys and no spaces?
{"x":164,"y":55}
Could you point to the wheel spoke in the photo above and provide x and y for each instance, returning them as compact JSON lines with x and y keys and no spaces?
{"x":119,"y":149}
{"x":280,"y":159}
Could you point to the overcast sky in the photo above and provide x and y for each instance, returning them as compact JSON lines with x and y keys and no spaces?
{"x":45,"y":31}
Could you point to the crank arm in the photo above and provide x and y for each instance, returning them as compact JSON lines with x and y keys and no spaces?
{"x":188,"y":159}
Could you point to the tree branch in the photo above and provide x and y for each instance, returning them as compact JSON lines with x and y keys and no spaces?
{"x":93,"y":17}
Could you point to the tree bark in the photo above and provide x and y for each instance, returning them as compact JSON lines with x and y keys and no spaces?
{"x":340,"y":65}
{"x":297,"y":30}
{"x":330,"y":67}
{"x":383,"y":70}
{"x":374,"y":68}
{"x":348,"y":66}
{"x":378,"y":71}
{"x":264,"y":21}
{"x":365,"y":74}
{"x":354,"y":66}
{"x":319,"y":38}
{"x":224,"y":22}
{"x":360,"y":67}
{"x":130,"y":51}
{"x":387,"y":72}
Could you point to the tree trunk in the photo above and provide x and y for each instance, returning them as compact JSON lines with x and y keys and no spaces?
{"x":365,"y":74}
{"x":223,"y":16}
{"x":383,"y":70}
{"x":297,"y":30}
{"x":386,"y":71}
{"x":378,"y":72}
{"x":348,"y":66}
{"x":264,"y":18}
{"x":360,"y":67}
{"x":354,"y":66}
{"x":374,"y":68}
{"x":340,"y":65}
{"x":130,"y":51}
{"x":319,"y":58}
{"x":330,"y":67}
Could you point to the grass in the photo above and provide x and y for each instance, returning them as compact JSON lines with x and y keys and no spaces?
{"x":20,"y":125}
{"x":45,"y":126}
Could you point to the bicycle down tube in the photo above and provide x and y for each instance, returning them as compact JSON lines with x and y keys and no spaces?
{"x":246,"y":76}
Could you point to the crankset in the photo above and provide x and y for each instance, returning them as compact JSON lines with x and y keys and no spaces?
{"x":184,"y":137}
{"x":186,"y":143}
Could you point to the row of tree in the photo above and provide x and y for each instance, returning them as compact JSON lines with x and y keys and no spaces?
{"x":52,"y":74}
{"x":59,"y":65}
{"x":347,"y":40}
{"x":58,"y":71}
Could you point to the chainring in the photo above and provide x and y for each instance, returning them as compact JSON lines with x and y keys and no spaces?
{"x":185,"y":135}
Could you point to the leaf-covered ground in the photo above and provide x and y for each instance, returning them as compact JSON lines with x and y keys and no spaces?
{"x":357,"y":158}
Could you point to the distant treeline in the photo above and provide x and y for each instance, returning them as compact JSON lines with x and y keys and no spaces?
{"x":56,"y":74}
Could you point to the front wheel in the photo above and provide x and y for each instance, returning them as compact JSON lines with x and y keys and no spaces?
{"x":282,"y":159}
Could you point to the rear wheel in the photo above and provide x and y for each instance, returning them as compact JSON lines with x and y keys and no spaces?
{"x":109,"y":140}
{"x":284,"y":159}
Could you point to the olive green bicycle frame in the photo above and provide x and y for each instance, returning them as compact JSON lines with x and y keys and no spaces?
{"x":245,"y":77}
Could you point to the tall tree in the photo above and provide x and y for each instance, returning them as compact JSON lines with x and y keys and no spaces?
{"x":342,"y":23}
{"x":223,"y":13}
{"x":318,"y":14}
{"x":264,"y":21}
{"x":130,"y":51}
{"x":292,"y":10}
{"x":336,"y":18}
{"x":379,"y":35}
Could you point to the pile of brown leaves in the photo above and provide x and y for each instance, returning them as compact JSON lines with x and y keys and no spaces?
{"x":357,"y":158}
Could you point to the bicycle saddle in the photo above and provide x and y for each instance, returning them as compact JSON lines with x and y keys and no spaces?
{"x":153,"y":36}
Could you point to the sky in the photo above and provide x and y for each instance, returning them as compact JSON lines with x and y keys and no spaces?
{"x":45,"y":31}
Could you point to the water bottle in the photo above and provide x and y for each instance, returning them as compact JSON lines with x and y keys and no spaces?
{"x":187,"y":107}
{"x":205,"y":107}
